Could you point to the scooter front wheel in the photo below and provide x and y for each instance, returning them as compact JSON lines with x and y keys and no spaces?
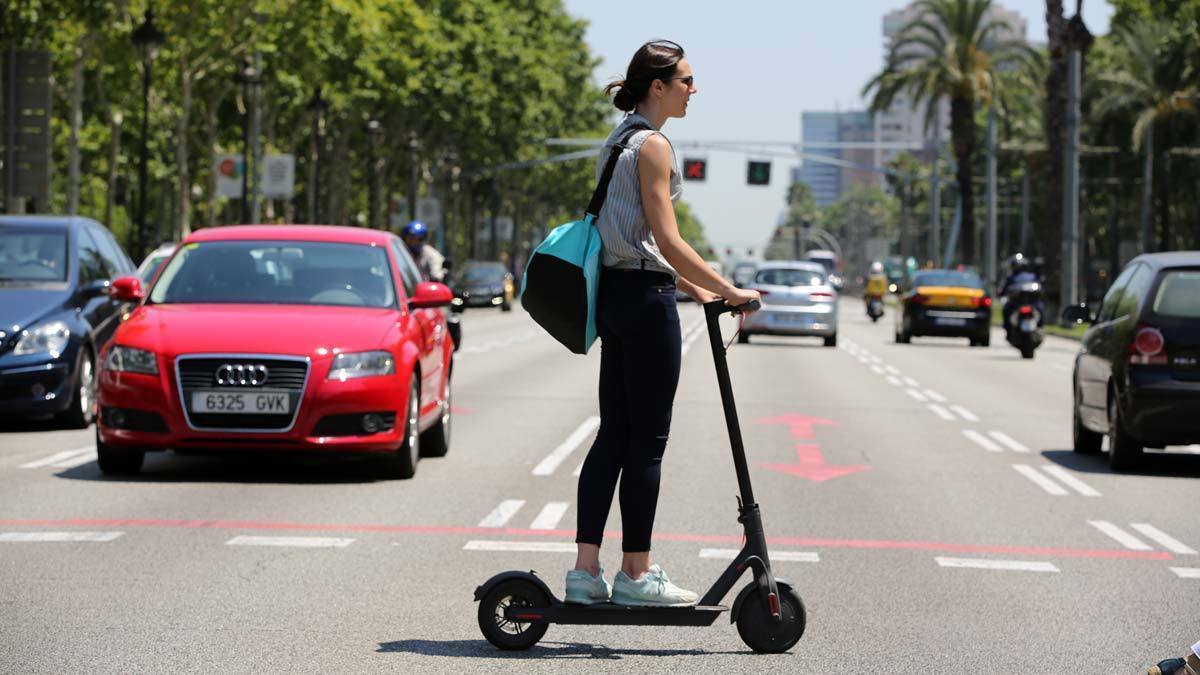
{"x":506,"y":633}
{"x":760,"y":632}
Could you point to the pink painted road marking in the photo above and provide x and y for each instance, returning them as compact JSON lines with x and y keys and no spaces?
{"x":802,"y":425}
{"x":811,"y":465}
{"x":819,"y":542}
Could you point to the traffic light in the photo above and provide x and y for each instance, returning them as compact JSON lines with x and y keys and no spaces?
{"x":758,"y":173}
{"x":695,"y":169}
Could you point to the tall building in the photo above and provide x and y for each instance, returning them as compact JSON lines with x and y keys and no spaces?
{"x":825,"y":180}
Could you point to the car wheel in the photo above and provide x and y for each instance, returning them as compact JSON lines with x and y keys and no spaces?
{"x":506,"y":306}
{"x":410,"y":449}
{"x":985,"y":340}
{"x":831,"y":341}
{"x":82,"y":410}
{"x":118,"y":461}
{"x":1124,"y":451}
{"x":743,"y":338}
{"x":1086,"y":441}
{"x":903,"y":338}
{"x":436,"y":441}
{"x":874,"y":319}
{"x":1027,"y":352}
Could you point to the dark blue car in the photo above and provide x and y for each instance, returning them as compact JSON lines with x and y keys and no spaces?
{"x":55,"y":313}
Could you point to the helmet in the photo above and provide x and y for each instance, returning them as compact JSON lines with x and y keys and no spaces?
{"x":1021,"y":264}
{"x":876,"y":267}
{"x":415,"y":228}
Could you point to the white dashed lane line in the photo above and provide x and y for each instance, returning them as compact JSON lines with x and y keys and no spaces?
{"x":776,"y":556}
{"x":503,"y":512}
{"x":911,"y":382}
{"x":1071,"y":481}
{"x":293,"y":542}
{"x":550,"y":516}
{"x":1163,"y":539}
{"x":27,"y":537}
{"x":941,"y":412}
{"x":964,"y":413}
{"x":520,"y":546}
{"x":1186,"y":572}
{"x":1008,"y":441}
{"x":916,"y":395}
{"x":66,"y":459}
{"x":1046,"y":483}
{"x":982,"y":441}
{"x":1120,"y":536}
{"x":894,"y":381}
{"x":985,"y":564}
{"x":556,"y":457}
{"x":934,"y":396}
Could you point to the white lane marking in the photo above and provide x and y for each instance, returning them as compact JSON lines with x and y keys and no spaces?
{"x":964,"y":413}
{"x":934,"y":396}
{"x":549,"y":517}
{"x":86,"y":458}
{"x":1071,"y":481}
{"x":874,"y":359}
{"x":548,"y":465}
{"x":862,"y":359}
{"x":789,"y":556}
{"x":297,"y":542}
{"x":1041,"y":481}
{"x":694,"y":333}
{"x":1060,"y":368}
{"x":502,"y":513}
{"x":522,"y":546}
{"x":911,"y":382}
{"x":892,"y":369}
{"x":940,"y":411}
{"x":876,"y":369}
{"x":894,"y":381}
{"x":1121,"y":536}
{"x":1165,"y":540}
{"x":58,"y":457}
{"x":1186,"y":572}
{"x":916,"y":394}
{"x":1008,"y":441}
{"x":982,"y":441}
{"x":58,"y":536}
{"x":980,"y":563}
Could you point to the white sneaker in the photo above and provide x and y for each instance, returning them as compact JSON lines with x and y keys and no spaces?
{"x":653,"y":589}
{"x":585,"y":589}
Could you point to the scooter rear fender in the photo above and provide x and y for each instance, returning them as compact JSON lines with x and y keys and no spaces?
{"x":529,"y":576}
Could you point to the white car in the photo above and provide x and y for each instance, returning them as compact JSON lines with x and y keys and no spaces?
{"x":797,"y":299}
{"x":157,"y":257}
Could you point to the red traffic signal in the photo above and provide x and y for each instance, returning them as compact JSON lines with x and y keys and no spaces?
{"x":695,"y":169}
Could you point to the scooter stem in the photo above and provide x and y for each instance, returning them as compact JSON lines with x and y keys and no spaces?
{"x":712,"y":312}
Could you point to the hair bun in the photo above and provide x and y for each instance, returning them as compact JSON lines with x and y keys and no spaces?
{"x":624,"y":99}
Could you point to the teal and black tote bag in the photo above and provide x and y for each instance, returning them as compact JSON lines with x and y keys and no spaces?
{"x":562,"y":276}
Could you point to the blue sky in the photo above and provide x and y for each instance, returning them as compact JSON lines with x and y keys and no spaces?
{"x":758,"y":64}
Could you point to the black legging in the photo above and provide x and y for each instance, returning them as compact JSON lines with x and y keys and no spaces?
{"x":638,"y":325}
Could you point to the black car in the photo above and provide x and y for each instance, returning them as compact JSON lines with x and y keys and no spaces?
{"x":1137,"y":374}
{"x":483,"y":284}
{"x":55,"y":313}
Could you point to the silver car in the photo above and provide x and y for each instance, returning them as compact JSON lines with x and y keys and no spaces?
{"x":797,"y":300}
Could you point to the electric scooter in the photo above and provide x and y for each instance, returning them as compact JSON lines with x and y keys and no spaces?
{"x":516,"y":608}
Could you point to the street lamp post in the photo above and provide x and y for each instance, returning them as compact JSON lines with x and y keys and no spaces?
{"x":246,"y":77}
{"x":414,"y":145}
{"x":316,"y":107}
{"x":374,"y":131}
{"x":147,"y":37}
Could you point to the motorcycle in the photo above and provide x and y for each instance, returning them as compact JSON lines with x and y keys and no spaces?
{"x":874,"y":307}
{"x":1023,"y":329}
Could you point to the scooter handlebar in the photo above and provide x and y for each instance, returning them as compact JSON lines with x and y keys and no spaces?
{"x":718,"y":307}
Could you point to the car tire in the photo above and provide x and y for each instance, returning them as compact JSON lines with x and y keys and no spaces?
{"x":831,"y":341}
{"x":410,"y":449}
{"x":985,"y":340}
{"x":1124,"y":451}
{"x":1085,"y":441}
{"x":81,"y":411}
{"x":435,"y":442}
{"x":903,"y":338}
{"x":874,"y":319}
{"x":506,"y":307}
{"x":1027,"y":352}
{"x":118,"y":461}
{"x":743,"y":338}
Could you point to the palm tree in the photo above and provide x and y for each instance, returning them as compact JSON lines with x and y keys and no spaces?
{"x":952,"y":50}
{"x":1148,"y":84}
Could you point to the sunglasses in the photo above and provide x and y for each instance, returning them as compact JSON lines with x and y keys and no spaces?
{"x":689,"y":80}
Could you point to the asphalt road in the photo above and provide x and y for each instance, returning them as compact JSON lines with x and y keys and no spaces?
{"x":922,"y":498}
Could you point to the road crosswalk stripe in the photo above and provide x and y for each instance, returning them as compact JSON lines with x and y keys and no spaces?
{"x":964,"y":413}
{"x":940,"y":411}
{"x":550,"y":515}
{"x":1041,"y":481}
{"x":502,"y":513}
{"x":982,"y":563}
{"x":1071,"y":481}
{"x":1121,"y":536}
{"x":548,"y":465}
{"x":58,"y":536}
{"x":1165,"y":540}
{"x":521,"y":546}
{"x":59,"y":457}
{"x":982,"y":441}
{"x":776,"y":556}
{"x":1186,"y":572}
{"x":296,"y":542}
{"x":1008,"y":441}
{"x":85,"y":458}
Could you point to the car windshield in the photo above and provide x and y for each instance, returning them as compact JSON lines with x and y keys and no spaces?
{"x":790,"y":277}
{"x":1179,"y":295}
{"x":482,"y":275}
{"x":33,"y":255}
{"x":152,"y":267}
{"x":947,"y":278}
{"x":283,"y":272}
{"x":828,"y":263}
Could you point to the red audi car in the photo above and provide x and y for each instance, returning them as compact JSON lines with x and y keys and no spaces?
{"x":279,"y":337}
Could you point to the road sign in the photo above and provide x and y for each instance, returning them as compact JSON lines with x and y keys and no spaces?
{"x":695,"y":169}
{"x":25,"y":125}
{"x":758,"y":173}
{"x":397,"y":212}
{"x":228,"y":169}
{"x":429,"y":211}
{"x":504,"y":227}
{"x":278,"y":176}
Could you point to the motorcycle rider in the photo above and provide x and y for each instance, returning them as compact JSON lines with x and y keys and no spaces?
{"x":1021,"y":271}
{"x":877,"y":283}
{"x":429,"y":260}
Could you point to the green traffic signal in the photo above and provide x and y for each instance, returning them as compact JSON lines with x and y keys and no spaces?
{"x":758,"y":173}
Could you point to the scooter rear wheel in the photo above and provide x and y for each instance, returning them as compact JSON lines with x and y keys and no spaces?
{"x":502,"y":632}
{"x":760,"y":632}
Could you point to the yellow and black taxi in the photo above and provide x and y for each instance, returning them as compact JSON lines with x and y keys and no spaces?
{"x":945,"y":303}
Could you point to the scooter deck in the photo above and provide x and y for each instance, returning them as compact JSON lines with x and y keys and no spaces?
{"x":609,"y":614}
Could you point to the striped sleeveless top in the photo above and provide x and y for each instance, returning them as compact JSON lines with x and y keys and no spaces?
{"x":624,"y":230}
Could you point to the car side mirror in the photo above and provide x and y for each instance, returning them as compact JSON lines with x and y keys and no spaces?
{"x":1077,"y":314}
{"x":127,"y":289}
{"x":93,"y":289}
{"x":431,"y":294}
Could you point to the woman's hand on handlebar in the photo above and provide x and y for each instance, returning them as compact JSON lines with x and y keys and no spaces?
{"x":737,"y":297}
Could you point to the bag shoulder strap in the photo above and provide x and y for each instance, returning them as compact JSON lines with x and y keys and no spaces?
{"x":601,"y":192}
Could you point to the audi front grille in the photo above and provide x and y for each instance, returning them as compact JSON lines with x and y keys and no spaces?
{"x":221,"y":372}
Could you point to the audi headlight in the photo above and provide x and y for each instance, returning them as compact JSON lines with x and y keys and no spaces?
{"x":49,"y":338}
{"x":130,"y":360}
{"x":361,"y":364}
